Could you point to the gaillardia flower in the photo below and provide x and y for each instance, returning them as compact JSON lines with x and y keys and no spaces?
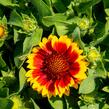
{"x":55,"y":66}
{"x":3,"y":31}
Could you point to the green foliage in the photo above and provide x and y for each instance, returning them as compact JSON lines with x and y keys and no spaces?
{"x":87,"y":86}
{"x":57,"y":103}
{"x":22,"y":78}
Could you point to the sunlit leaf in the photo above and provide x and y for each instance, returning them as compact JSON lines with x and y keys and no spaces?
{"x":87,"y":86}
{"x":8,"y":3}
{"x":52,"y":20}
{"x":34,"y":39}
{"x":35,"y":105}
{"x":15,"y":19}
{"x":57,"y":103}
{"x":106,"y":89}
{"x":22,"y":78}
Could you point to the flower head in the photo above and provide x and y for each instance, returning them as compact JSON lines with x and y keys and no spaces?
{"x":29,"y":23}
{"x":17,"y":102}
{"x":93,"y":54}
{"x":3,"y":28}
{"x":3,"y":31}
{"x":84,"y":23}
{"x":55,"y":66}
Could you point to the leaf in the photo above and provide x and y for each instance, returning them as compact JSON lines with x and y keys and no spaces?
{"x":34,"y":39}
{"x":106,"y":3}
{"x":42,"y":7}
{"x":107,"y":27}
{"x":76,"y":34}
{"x":15,"y":19}
{"x":76,"y":37}
{"x":87,"y":86}
{"x":2,"y":62}
{"x":58,"y":4}
{"x":22,"y":78}
{"x":35,"y":105}
{"x":2,"y":83}
{"x":16,"y":35}
{"x":84,"y":107}
{"x":106,"y":89}
{"x":93,"y":106}
{"x":57,"y":103}
{"x":4,"y":20}
{"x":64,"y":28}
{"x":4,"y":92}
{"x":1,"y":42}
{"x":7,"y":3}
{"x":48,"y":2}
{"x":106,"y":106}
{"x":107,"y":11}
{"x":71,"y":100}
{"x":86,"y":5}
{"x":5,"y":103}
{"x":52,"y":20}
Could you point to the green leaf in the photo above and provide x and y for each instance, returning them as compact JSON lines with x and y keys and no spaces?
{"x":107,"y":27}
{"x":5,"y":103}
{"x":1,"y":42}
{"x":87,"y":86}
{"x":93,"y":106}
{"x":2,"y":83}
{"x":22,"y":78}
{"x":35,"y":105}
{"x":57,"y":103}
{"x":58,"y":4}
{"x":106,"y":89}
{"x":42,"y":7}
{"x":34,"y":39}
{"x":4,"y":20}
{"x":106,"y":3}
{"x":4,"y":92}
{"x":86,"y":5}
{"x":16,"y":36}
{"x":76,"y":34}
{"x":2,"y":62}
{"x":106,"y":106}
{"x":7,"y":3}
{"x":107,"y":11}
{"x":48,"y":2}
{"x":52,"y":20}
{"x":84,"y":107}
{"x":64,"y":28}
{"x":15,"y":19}
{"x":76,"y":37}
{"x":71,"y":100}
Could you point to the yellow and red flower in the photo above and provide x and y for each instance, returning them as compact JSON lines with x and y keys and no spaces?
{"x":55,"y":66}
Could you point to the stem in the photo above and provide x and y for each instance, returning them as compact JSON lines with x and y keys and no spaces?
{"x":103,"y":67}
{"x":99,"y":40}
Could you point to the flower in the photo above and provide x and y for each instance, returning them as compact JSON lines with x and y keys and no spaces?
{"x":17,"y":102}
{"x":84,"y":23}
{"x":3,"y":31}
{"x":3,"y":28}
{"x":55,"y":66}
{"x":93,"y":54}
{"x":29,"y":23}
